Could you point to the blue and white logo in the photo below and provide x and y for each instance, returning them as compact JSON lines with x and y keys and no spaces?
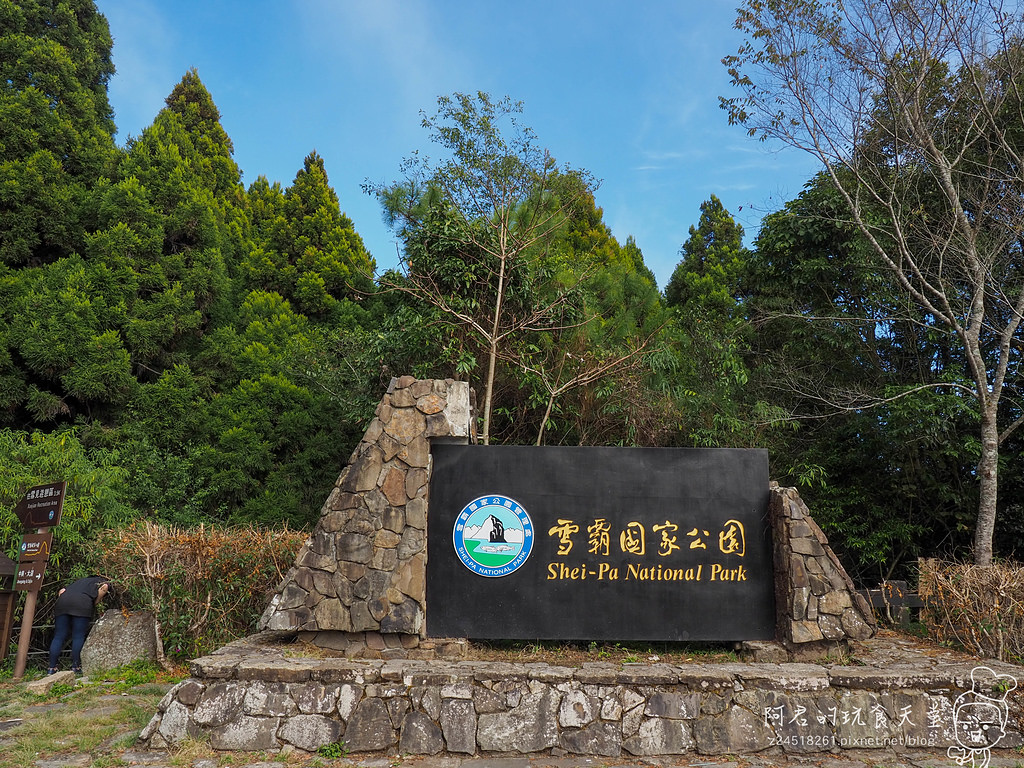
{"x":493,"y":535}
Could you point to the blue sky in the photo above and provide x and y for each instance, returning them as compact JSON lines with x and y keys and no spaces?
{"x":628,"y":91}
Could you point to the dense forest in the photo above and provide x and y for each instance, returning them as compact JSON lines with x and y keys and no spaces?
{"x":185,"y":349}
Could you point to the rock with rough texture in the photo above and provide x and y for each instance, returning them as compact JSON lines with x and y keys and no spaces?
{"x":420,"y":736}
{"x":530,"y":727}
{"x":117,"y":639}
{"x":369,"y":729}
{"x":310,"y":732}
{"x":737,"y":731}
{"x":458,"y":725}
{"x":42,"y":686}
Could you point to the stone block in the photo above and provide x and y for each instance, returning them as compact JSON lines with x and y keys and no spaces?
{"x":310,"y":732}
{"x":458,"y":720}
{"x":354,"y":548}
{"x":673,"y":706}
{"x":659,"y":736}
{"x":323,"y":584}
{"x":363,"y":473}
{"x":529,"y":727}
{"x":416,"y":513}
{"x":405,"y":424}
{"x":309,"y":559}
{"x":603,"y":739}
{"x":246,"y":733}
{"x":577,"y":710}
{"x":421,"y":387}
{"x":420,"y":736}
{"x":393,"y":486}
{"x":797,"y":572}
{"x":332,"y":614}
{"x":393,"y":519}
{"x":349,"y":696}
{"x":384,"y":559}
{"x":413,"y":542}
{"x":314,"y":698}
{"x":369,"y":729}
{"x":117,"y":639}
{"x":831,"y":627}
{"x":416,"y":482}
{"x":42,"y":686}
{"x":417,"y":453}
{"x":268,"y":700}
{"x":805,"y":631}
{"x":405,"y":618}
{"x":389,"y":446}
{"x":738,"y":731}
{"x":398,"y":706}
{"x":834,"y":602}
{"x":220,"y":703}
{"x":458,"y":412}
{"x":176,"y":725}
{"x":430,"y":404}
{"x":362,"y":620}
{"x":855,"y":626}
{"x":806,"y":547}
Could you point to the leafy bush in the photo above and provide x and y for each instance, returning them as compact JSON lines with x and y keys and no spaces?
{"x":206,"y":585}
{"x":978,"y":608}
{"x":92,"y":502}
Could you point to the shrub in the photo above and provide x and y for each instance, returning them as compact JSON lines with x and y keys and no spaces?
{"x":978,"y":608}
{"x":206,"y":585}
{"x":92,"y":502}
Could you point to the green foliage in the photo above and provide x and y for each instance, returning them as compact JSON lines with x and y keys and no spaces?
{"x":94,"y":498}
{"x":831,"y":347}
{"x":305,"y":248}
{"x":56,"y":123}
{"x":333,"y":751}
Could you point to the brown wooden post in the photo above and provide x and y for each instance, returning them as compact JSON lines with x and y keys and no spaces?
{"x":21,"y":659}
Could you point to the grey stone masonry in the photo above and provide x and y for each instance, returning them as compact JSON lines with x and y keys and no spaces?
{"x":363,"y":569}
{"x":251,"y":695}
{"x":817,"y":606}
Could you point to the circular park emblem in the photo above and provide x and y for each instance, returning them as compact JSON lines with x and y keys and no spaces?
{"x":493,"y":535}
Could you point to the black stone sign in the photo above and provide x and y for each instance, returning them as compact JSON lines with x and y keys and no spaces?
{"x":599,"y":543}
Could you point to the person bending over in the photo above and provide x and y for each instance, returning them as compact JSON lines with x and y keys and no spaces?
{"x":73,"y":612}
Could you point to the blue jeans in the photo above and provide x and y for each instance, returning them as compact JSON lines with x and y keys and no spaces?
{"x":78,"y":628}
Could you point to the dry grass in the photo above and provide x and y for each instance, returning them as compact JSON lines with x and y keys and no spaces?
{"x":978,"y":608}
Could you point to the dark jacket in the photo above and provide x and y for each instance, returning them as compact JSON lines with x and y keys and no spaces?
{"x":79,"y":598}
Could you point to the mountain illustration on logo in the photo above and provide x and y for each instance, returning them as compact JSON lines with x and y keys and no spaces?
{"x":493,"y":535}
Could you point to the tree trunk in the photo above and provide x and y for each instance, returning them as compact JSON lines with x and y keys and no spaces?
{"x":988,"y":479}
{"x":492,"y":360}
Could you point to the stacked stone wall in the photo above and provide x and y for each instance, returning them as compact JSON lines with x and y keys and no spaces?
{"x":603,"y":709}
{"x":816,"y":602}
{"x":363,"y":569}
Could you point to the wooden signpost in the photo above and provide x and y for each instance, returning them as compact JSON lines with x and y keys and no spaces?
{"x":38,"y":512}
{"x":7,"y":599}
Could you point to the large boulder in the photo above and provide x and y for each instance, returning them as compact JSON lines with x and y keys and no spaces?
{"x":119,"y":638}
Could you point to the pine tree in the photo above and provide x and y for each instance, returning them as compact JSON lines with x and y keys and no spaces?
{"x":56,"y":124}
{"x":305,"y":248}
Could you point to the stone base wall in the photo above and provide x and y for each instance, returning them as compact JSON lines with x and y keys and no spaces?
{"x":602,"y":709}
